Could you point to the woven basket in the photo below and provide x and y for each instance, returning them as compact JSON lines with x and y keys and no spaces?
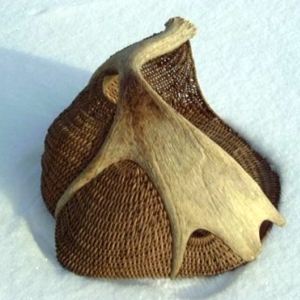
{"x":116,"y":223}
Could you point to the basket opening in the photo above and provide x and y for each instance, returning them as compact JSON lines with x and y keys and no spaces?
{"x":200,"y":233}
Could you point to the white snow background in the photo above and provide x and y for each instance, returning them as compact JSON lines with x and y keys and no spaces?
{"x":247,"y":56}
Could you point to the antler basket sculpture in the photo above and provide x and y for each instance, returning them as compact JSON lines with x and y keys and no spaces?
{"x":145,"y":180}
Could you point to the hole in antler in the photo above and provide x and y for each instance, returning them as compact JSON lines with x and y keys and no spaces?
{"x":110,"y":87}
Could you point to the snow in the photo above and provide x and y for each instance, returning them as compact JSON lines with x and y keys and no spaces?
{"x":248,"y":61}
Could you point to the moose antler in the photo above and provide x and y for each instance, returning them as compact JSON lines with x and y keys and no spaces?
{"x":200,"y":184}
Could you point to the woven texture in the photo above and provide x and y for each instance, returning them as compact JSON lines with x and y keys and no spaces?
{"x":116,"y":225}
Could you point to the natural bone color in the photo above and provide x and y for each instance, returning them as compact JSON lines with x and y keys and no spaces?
{"x":143,"y":111}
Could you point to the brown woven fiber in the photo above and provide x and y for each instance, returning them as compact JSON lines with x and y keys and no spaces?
{"x":116,"y":225}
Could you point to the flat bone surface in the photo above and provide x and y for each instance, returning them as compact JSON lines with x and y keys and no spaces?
{"x":201,"y":185}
